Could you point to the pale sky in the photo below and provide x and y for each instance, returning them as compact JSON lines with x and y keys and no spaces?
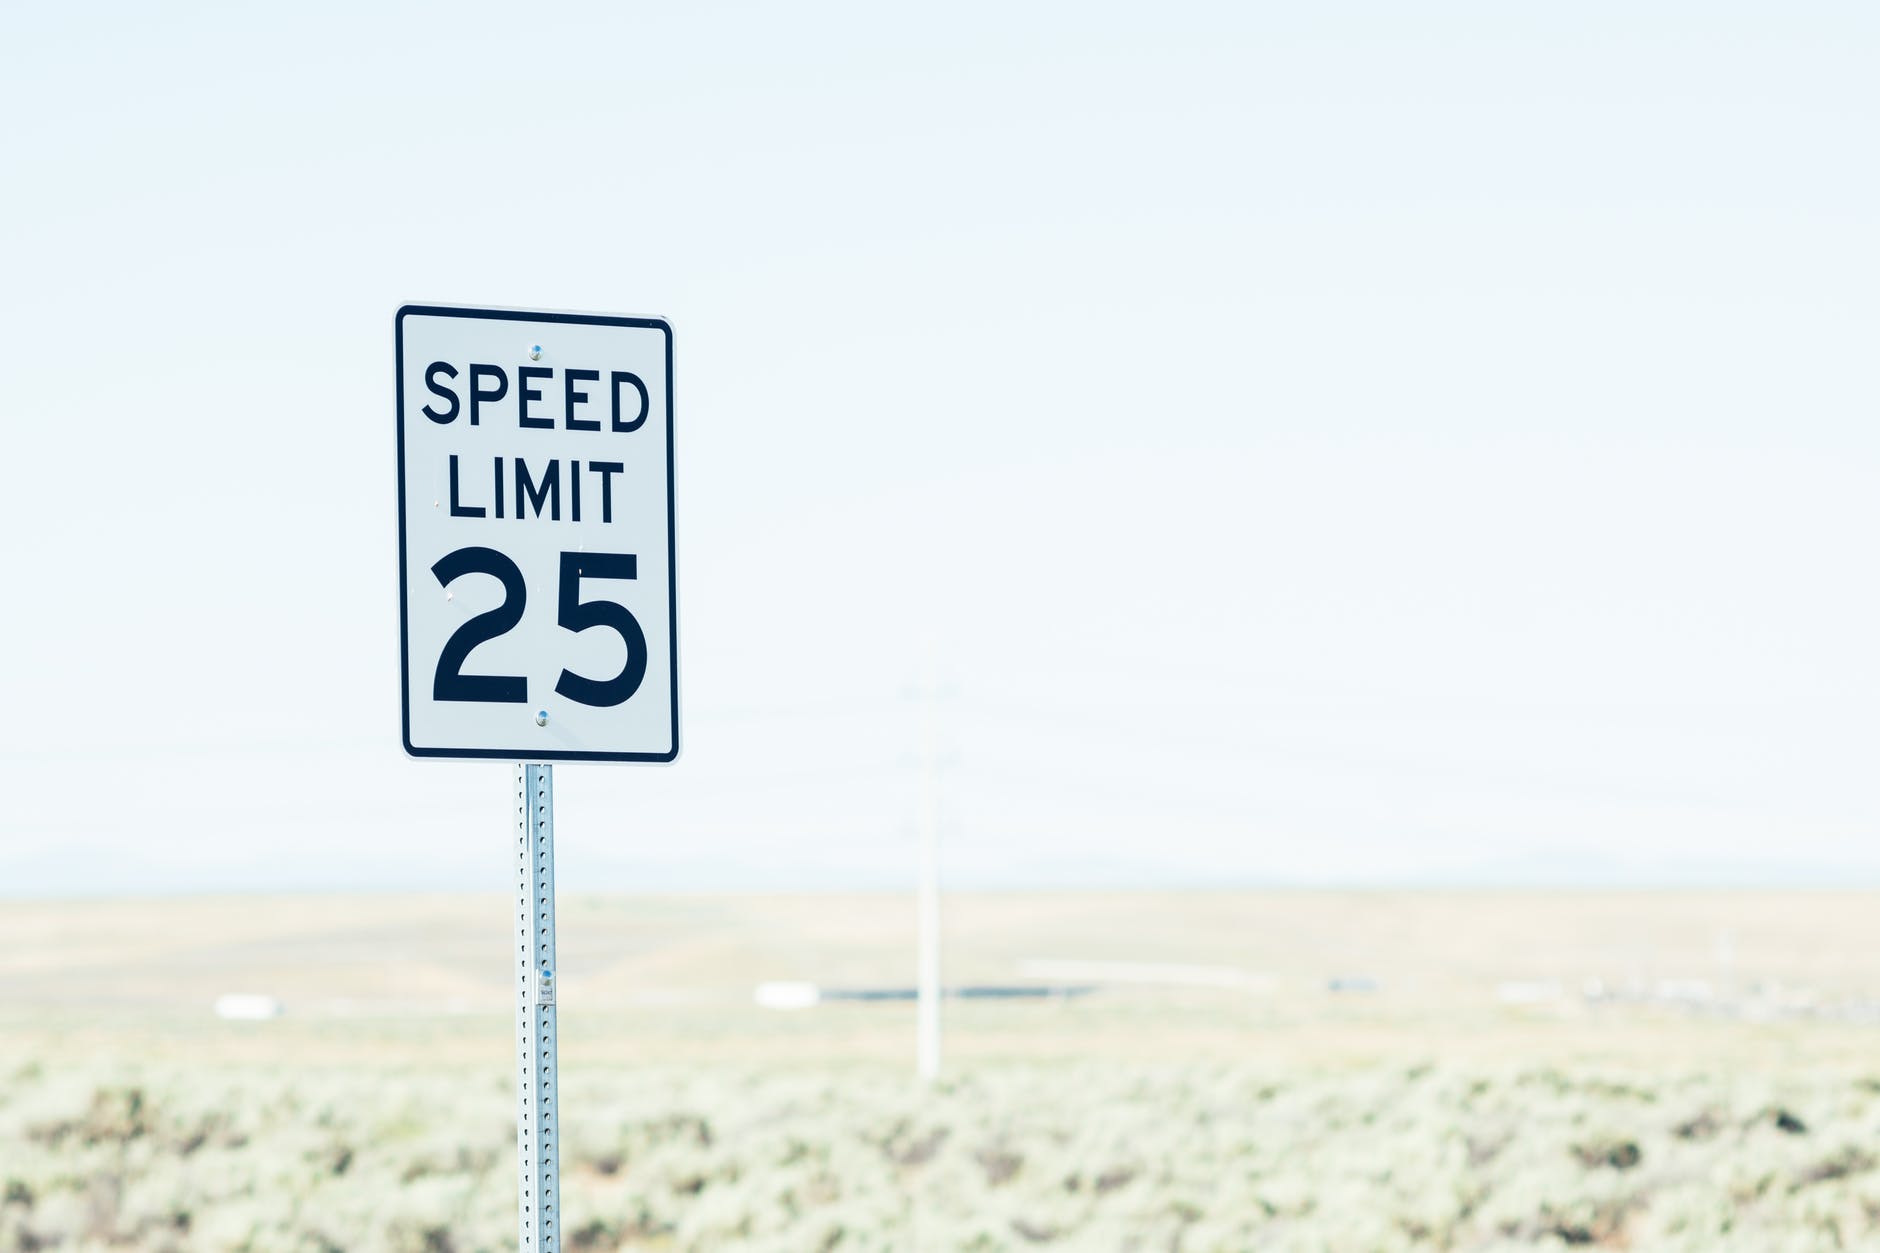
{"x":1318,"y":444}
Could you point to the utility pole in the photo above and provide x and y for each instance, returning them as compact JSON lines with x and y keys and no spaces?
{"x":927,"y":900}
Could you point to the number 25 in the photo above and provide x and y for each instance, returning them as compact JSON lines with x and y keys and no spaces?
{"x":571,"y":612}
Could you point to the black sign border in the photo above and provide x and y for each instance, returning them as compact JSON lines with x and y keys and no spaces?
{"x":672,"y":535}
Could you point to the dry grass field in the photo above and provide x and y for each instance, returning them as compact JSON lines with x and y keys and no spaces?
{"x":1309,"y":1071}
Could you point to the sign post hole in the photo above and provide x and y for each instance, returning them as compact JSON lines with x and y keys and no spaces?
{"x":537,"y":602}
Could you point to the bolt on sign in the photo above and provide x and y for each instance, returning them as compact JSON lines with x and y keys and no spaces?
{"x":538,"y":603}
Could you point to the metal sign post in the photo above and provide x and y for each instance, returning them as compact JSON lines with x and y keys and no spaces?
{"x":538,"y":1122}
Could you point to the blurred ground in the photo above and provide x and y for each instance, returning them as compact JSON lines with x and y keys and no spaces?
{"x":1273,"y":1070}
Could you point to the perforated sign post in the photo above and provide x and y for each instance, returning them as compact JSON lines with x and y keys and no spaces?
{"x":538,"y":607}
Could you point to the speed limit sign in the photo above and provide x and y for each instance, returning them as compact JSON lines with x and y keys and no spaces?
{"x":537,"y":600}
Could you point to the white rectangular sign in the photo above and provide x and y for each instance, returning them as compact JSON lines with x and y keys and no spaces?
{"x":537,"y":593}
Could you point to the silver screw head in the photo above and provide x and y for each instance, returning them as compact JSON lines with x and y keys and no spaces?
{"x":535,"y":352}
{"x":541,"y":717}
